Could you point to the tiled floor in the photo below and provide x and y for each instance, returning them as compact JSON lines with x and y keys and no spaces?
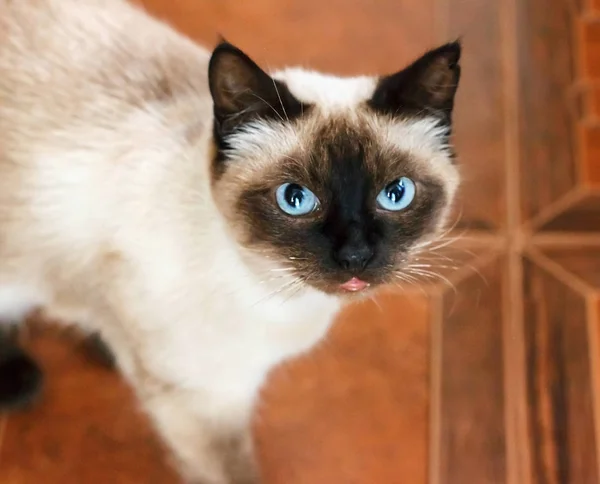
{"x":86,"y":429}
{"x":495,"y":382}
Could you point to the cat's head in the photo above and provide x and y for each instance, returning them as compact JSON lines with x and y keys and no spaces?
{"x":333,"y":181}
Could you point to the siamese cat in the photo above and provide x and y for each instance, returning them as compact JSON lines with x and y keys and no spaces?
{"x":205,"y":218}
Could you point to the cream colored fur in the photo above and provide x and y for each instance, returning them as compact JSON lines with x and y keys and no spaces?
{"x":106,"y":219}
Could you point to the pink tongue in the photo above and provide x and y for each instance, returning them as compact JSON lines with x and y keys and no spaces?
{"x":354,"y":285}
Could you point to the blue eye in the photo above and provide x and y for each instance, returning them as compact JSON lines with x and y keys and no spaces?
{"x":296,"y":200}
{"x":397,"y":195}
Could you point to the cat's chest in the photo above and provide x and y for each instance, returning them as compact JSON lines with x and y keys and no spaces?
{"x":232,"y":351}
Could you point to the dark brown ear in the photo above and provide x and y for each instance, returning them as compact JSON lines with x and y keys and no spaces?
{"x":428,"y":85}
{"x":242,"y":91}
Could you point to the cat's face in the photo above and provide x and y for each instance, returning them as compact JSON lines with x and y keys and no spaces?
{"x":333,"y":182}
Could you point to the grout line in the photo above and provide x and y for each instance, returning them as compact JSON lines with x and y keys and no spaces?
{"x":479,"y":238}
{"x":518,"y":459}
{"x":568,"y":239}
{"x":589,"y":122}
{"x":589,"y":17}
{"x":435,"y":401}
{"x":515,"y":364}
{"x":579,"y":84}
{"x":558,"y":271}
{"x":441,"y":14}
{"x":570,"y":198}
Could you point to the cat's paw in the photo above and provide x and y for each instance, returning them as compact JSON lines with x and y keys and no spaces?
{"x":21,"y":378}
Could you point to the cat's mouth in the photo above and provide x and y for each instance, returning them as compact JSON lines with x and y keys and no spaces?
{"x":348,"y":285}
{"x":354,"y":285}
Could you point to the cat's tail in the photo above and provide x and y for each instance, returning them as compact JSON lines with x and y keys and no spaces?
{"x":21,"y":378}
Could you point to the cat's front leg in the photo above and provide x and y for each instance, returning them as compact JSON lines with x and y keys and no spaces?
{"x":205,"y":451}
{"x":243,"y":466}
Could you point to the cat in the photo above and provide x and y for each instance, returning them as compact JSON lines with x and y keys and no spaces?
{"x":205,"y":218}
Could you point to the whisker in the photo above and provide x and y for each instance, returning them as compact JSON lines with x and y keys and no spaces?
{"x":294,"y":290}
{"x":373,"y":298}
{"x":435,"y":266}
{"x":280,"y":100}
{"x":403,"y":277}
{"x":435,"y":275}
{"x":269,"y":105}
{"x":276,"y":292}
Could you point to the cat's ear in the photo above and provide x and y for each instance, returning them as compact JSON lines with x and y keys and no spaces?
{"x":242,"y":91}
{"x":427,"y":85}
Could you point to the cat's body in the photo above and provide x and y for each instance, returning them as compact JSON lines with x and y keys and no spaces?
{"x":114,"y":214}
{"x":89,"y":187}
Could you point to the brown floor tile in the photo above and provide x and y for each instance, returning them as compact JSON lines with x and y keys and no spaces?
{"x":582,"y":216}
{"x":581,"y":261}
{"x":580,"y":99}
{"x":86,"y":429}
{"x":3,"y":425}
{"x":590,"y":39}
{"x":336,"y":35}
{"x":357,"y":411}
{"x":472,"y":431}
{"x":594,"y":102}
{"x":480,"y":132}
{"x":561,"y":412}
{"x":397,"y":395}
{"x":590,"y":154}
{"x":586,"y":103}
{"x":546,"y":60}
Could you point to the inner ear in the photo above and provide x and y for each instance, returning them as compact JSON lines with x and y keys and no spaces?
{"x":242,"y":91}
{"x":428,"y":84}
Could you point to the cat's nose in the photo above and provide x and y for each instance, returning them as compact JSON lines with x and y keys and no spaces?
{"x":354,"y":258}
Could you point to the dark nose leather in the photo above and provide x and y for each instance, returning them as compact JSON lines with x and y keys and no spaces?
{"x":354,"y":257}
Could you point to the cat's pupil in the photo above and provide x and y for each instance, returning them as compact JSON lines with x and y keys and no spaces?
{"x":294,"y":195}
{"x":395,"y":191}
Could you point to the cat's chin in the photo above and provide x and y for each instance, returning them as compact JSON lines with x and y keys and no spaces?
{"x":347,"y":297}
{"x":354,"y":288}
